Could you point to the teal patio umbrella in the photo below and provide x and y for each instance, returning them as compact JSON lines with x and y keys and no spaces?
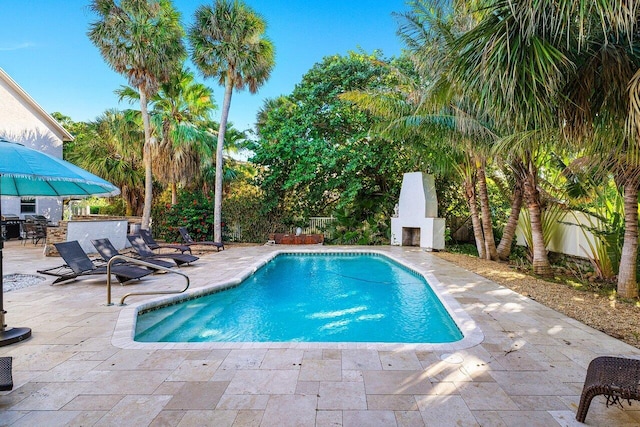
{"x":31,"y":173}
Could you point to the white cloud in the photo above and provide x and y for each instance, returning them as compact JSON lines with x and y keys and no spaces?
{"x":25,"y":45}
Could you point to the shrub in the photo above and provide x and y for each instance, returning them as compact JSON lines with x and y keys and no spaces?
{"x":347,"y":229}
{"x":193,"y":211}
{"x":244,"y":209}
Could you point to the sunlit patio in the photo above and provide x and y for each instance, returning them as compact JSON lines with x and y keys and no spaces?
{"x":522,"y":363}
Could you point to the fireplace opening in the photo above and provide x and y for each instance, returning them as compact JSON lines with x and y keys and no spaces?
{"x":410,"y":236}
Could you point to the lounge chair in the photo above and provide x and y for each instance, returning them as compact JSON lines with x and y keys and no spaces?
{"x":146,"y":253}
{"x":153,"y":245}
{"x":6,"y":379}
{"x":616,"y":378}
{"x":107,"y":251}
{"x":189,"y":241}
{"x":78,"y":264}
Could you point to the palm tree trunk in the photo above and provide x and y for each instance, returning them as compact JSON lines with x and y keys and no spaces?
{"x":217,"y":207}
{"x":128,"y":201}
{"x":541,"y":265}
{"x":627,"y":284}
{"x":146,"y":160}
{"x":504,"y":248}
{"x":174,"y":194}
{"x":487,"y":224}
{"x":470,"y":192}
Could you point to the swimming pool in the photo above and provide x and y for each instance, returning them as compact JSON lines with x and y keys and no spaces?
{"x":328,"y":297}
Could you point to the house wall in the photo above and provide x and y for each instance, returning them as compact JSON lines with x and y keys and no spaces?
{"x":50,"y":207}
{"x":23,"y":121}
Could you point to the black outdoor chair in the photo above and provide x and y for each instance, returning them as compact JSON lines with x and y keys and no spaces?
{"x":153,"y":245}
{"x":107,"y":251}
{"x":34,"y":231}
{"x":6,"y":378}
{"x":78,"y":264}
{"x":189,"y":241}
{"x":146,"y":253}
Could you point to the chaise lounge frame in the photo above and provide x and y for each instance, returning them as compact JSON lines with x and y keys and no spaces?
{"x":153,"y":245}
{"x":107,"y":251}
{"x":189,"y":241}
{"x":78,"y":264}
{"x":145,"y":253}
{"x":616,"y":378}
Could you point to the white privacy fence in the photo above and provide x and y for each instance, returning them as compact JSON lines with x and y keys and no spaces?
{"x":233,"y":233}
{"x":318,"y":225}
{"x":571,"y":237}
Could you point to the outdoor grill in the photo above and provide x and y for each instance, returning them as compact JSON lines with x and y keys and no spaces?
{"x":11,"y":225}
{"x":40,"y":219}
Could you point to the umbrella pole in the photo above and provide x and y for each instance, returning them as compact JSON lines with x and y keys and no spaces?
{"x":7,"y":335}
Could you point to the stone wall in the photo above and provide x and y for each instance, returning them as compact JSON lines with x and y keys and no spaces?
{"x":55,"y":235}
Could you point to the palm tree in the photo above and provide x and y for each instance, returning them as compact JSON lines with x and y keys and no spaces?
{"x":111,"y":147}
{"x":142,"y":40}
{"x":515,"y":69}
{"x":228,"y":43}
{"x":235,"y":142}
{"x":601,"y":111}
{"x":430,"y":99}
{"x":574,"y":66}
{"x":180,"y":111}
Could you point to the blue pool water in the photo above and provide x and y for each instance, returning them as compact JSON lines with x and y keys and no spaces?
{"x":310,"y":298}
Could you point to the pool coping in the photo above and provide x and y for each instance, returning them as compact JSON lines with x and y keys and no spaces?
{"x":124,"y":331}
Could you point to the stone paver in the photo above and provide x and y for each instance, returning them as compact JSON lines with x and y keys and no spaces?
{"x":521,"y":363}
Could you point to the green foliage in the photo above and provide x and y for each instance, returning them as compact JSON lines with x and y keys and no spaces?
{"x":518,"y":253}
{"x":464,"y":248}
{"x":115,"y":206}
{"x":111,"y":147}
{"x":142,"y":40}
{"x":194,"y":211}
{"x":244,"y":209}
{"x":106,"y":206}
{"x":605,"y":220}
{"x":318,"y":154}
{"x":350,"y":229}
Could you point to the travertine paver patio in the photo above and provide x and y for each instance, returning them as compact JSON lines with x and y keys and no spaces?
{"x":527,"y":370}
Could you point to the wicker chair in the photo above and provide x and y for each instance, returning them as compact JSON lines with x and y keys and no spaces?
{"x":616,"y":378}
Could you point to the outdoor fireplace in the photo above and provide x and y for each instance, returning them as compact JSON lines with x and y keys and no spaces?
{"x":415,"y":221}
{"x":410,"y":236}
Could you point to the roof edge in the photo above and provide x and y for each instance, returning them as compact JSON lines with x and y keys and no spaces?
{"x":66,"y":136}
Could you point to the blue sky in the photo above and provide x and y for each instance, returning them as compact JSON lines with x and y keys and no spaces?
{"x":44,"y":48}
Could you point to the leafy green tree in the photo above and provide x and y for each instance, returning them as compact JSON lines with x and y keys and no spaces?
{"x":228,"y":43}
{"x":316,"y":153}
{"x":563,"y":71}
{"x":77,"y":129}
{"x":142,"y":40}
